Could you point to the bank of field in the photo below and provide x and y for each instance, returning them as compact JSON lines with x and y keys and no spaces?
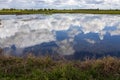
{"x":54,"y":11}
{"x":45,"y":68}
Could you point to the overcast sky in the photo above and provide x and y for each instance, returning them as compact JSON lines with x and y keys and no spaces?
{"x":61,"y":4}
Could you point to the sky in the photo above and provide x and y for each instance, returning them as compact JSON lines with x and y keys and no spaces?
{"x":60,"y":4}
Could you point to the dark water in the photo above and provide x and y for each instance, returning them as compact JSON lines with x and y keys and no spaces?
{"x":71,"y":35}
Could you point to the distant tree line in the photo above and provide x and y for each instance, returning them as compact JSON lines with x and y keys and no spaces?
{"x":52,"y":11}
{"x":45,"y":9}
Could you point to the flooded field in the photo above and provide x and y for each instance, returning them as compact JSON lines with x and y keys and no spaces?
{"x":72,"y":35}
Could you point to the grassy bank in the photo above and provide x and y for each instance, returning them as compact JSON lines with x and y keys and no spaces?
{"x":53,"y":11}
{"x":44,"y":68}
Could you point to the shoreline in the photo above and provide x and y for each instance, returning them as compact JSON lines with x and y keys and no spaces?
{"x":55,"y":11}
{"x":45,"y":68}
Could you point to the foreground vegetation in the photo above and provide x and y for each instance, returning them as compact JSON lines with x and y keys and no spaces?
{"x":45,"y":68}
{"x":52,"y":11}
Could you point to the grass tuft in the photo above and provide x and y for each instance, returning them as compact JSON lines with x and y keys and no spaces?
{"x":44,"y":68}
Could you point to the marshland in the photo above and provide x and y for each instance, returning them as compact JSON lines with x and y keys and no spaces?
{"x":59,"y":46}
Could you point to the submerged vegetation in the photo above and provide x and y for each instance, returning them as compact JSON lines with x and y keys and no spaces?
{"x":53,"y":11}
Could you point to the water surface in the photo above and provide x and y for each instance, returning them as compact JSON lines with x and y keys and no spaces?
{"x":73,"y":35}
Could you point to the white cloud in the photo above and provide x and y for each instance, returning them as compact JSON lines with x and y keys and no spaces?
{"x":105,"y":4}
{"x":29,"y":30}
{"x":27,"y":39}
{"x":65,"y":48}
{"x":90,"y":41}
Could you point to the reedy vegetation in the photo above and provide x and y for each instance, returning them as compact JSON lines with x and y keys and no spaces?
{"x":45,"y":68}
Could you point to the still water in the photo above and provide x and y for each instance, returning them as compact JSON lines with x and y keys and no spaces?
{"x":76,"y":35}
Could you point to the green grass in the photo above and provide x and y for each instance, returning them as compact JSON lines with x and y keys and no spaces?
{"x":53,"y":11}
{"x":44,"y":68}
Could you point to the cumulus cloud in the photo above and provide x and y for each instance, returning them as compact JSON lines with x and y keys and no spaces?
{"x":29,"y":30}
{"x":90,"y":41}
{"x":27,"y":39}
{"x":60,"y":4}
{"x":65,"y":48}
{"x":94,"y":1}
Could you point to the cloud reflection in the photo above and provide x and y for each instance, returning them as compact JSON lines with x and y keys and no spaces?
{"x":25,"y":31}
